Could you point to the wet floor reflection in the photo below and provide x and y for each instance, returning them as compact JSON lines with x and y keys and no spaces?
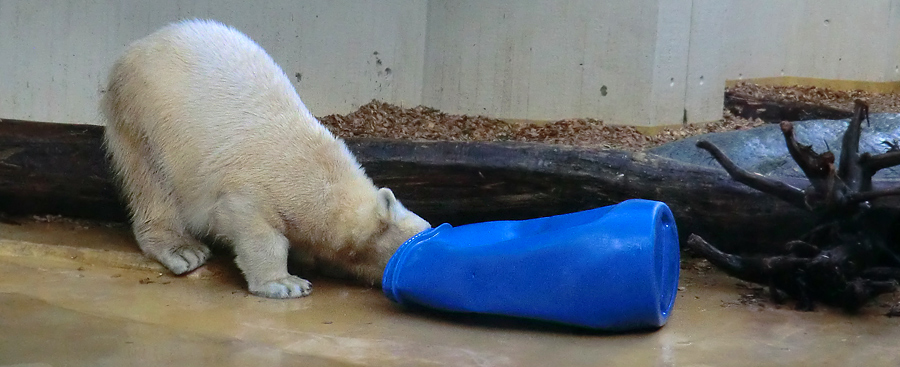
{"x":63,"y":311}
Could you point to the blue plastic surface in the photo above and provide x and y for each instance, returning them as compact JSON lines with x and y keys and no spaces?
{"x":613,"y":268}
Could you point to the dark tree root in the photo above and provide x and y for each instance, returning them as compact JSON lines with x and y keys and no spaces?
{"x":829,"y":276}
{"x":852,"y":255}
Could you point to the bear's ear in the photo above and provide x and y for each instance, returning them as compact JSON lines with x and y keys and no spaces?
{"x":387,"y":204}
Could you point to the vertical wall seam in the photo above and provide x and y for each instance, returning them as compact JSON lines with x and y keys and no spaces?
{"x":423,"y":70}
{"x":890,"y":51}
{"x":687,"y":65}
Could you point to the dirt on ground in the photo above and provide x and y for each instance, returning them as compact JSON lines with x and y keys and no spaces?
{"x":383,"y":120}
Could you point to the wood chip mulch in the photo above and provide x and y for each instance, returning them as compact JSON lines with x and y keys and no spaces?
{"x":383,"y":120}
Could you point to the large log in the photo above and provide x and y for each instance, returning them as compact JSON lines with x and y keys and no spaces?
{"x":62,"y":169}
{"x":777,"y":110}
{"x":55,"y":169}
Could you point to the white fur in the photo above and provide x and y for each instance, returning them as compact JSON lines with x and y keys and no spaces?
{"x":209,"y":137}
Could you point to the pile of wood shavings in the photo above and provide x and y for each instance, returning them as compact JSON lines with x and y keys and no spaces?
{"x":729,"y":122}
{"x":383,"y":120}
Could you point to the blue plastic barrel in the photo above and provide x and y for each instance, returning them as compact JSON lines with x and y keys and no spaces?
{"x":613,"y":268}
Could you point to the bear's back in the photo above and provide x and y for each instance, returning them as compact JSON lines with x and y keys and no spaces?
{"x":213,"y":111}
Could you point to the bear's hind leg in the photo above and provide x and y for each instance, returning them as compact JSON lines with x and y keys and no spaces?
{"x":166,"y":242}
{"x":156,"y":223}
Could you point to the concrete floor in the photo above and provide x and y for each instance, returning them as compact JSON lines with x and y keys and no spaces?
{"x":76,"y":294}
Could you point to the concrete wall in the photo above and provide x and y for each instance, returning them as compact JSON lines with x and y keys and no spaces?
{"x":827,"y":39}
{"x":619,"y":61}
{"x":55,"y":53}
{"x":638,"y":62}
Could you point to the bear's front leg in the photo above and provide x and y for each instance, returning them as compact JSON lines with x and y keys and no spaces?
{"x":261,"y":250}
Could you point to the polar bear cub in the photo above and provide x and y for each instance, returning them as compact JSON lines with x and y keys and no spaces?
{"x":209,"y":139}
